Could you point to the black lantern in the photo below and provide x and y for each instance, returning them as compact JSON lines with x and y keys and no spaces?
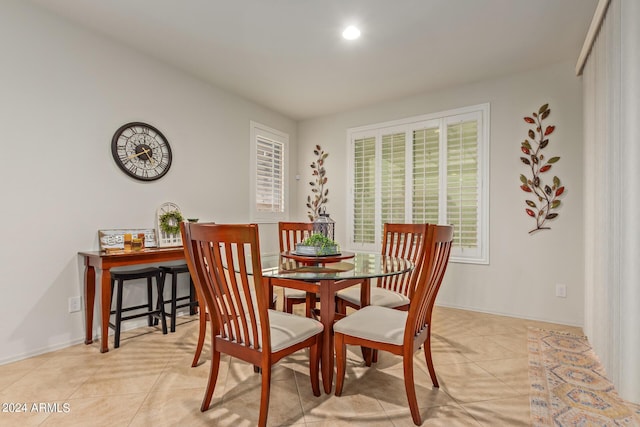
{"x":324,"y":224}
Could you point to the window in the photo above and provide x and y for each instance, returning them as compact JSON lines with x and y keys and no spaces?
{"x":432,"y":168}
{"x":269,"y":200}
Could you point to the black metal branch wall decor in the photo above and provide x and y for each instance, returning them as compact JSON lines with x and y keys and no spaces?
{"x":317,"y":187}
{"x":545,"y":197}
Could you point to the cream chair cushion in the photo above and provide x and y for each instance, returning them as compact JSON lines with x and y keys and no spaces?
{"x":379,"y":296}
{"x":374,"y":323}
{"x":295,"y":293}
{"x":286,"y":329}
{"x":289,"y":329}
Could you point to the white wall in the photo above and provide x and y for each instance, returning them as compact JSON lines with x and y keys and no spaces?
{"x":524,"y":269}
{"x":64,"y":93}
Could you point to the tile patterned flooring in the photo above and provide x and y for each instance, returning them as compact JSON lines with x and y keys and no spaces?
{"x":480,"y":359}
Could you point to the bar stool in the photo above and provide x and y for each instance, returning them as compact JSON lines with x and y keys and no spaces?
{"x":144,"y":273}
{"x":174,"y":270}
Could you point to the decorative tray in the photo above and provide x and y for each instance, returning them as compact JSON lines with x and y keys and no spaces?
{"x":316,"y":255}
{"x":303,"y":250}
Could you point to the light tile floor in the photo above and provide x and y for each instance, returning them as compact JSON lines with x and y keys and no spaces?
{"x":480,"y":359}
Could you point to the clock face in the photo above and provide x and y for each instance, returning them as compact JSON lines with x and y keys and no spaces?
{"x":141,"y":151}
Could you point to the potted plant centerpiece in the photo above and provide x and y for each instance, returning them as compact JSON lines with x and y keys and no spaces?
{"x":317,"y":245}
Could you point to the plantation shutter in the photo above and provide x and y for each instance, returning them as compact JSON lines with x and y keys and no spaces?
{"x":463,"y":182}
{"x":393,"y":184}
{"x":364,"y":190}
{"x":426,"y":175}
{"x":426,"y":169}
{"x":269,"y":175}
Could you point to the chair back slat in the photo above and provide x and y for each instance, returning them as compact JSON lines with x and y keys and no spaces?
{"x":403,"y":241}
{"x":436,"y":258}
{"x":290,"y":233}
{"x":232,"y":288}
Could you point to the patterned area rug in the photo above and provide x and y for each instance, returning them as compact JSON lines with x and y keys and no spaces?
{"x":569,"y":386}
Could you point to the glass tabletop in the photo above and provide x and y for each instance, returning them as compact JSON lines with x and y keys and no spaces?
{"x":361,"y":266}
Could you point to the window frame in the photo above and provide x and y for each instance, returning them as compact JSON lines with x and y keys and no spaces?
{"x":260,"y":131}
{"x":408,"y":125}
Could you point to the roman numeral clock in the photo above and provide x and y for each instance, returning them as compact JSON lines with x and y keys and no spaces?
{"x":141,"y":151}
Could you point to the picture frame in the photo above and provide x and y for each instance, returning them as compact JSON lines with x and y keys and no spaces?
{"x":113,"y":239}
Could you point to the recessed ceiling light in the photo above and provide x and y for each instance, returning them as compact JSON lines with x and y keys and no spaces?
{"x":351,"y":33}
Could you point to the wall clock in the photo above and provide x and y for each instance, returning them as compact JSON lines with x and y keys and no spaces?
{"x":141,"y":151}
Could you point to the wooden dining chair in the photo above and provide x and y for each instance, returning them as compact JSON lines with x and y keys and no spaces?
{"x":290,"y":233}
{"x":400,"y":332}
{"x":224,"y":261}
{"x":202,"y":327}
{"x":398,"y":240}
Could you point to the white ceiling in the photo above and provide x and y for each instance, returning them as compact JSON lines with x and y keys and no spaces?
{"x":288,"y":55}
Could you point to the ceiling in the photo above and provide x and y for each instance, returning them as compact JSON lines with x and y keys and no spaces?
{"x":289,"y":55}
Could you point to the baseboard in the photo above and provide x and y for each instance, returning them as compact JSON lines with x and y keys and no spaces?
{"x":517,"y":316}
{"x":126,"y":326}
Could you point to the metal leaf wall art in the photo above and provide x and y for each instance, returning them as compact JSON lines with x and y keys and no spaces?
{"x":544,"y":199}
{"x":315,"y":203}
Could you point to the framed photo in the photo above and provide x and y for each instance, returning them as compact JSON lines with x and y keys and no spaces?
{"x":114,"y":239}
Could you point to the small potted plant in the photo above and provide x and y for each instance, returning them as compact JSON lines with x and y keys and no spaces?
{"x":317,"y":245}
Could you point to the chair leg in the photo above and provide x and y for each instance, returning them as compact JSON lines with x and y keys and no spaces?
{"x":310,"y":303}
{"x":150,"y":320}
{"x":174,"y":291}
{"x":192,"y":298}
{"x":160,"y":302}
{"x":314,"y":365}
{"x":202,"y":328}
{"x":264,"y":397}
{"x":213,"y":377}
{"x":409,"y":385}
{"x":288,"y":305}
{"x":116,"y":338}
{"x":341,"y":356}
{"x":427,"y":355}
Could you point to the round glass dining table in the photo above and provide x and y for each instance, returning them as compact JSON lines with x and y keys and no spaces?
{"x":326,"y":278}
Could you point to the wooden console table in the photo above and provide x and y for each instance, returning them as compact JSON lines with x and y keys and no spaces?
{"x":105,"y":261}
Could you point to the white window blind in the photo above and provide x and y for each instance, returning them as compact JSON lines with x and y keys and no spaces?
{"x":426,"y":175}
{"x":364,"y":190}
{"x":392,"y":185}
{"x":428,"y":169}
{"x":268,"y":174}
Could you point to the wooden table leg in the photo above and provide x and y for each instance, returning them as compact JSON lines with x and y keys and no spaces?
{"x":105,"y":306}
{"x":89,"y":295}
{"x":327,"y":316}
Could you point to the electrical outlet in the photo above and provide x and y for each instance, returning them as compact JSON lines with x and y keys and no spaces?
{"x":75,"y":304}
{"x":561,"y":290}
